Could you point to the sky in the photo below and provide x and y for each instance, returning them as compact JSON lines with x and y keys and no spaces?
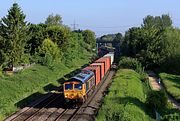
{"x":100,"y":16}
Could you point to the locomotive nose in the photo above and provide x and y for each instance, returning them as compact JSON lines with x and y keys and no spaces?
{"x":73,"y":95}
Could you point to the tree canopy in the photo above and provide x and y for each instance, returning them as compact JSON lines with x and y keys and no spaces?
{"x":89,"y":38}
{"x":49,"y":47}
{"x":21,"y":42}
{"x":160,"y":22}
{"x":54,"y":20}
{"x":14,"y":32}
{"x":150,"y":43}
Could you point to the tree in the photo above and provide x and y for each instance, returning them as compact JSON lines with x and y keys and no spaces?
{"x":116,"y":42}
{"x":54,"y":20}
{"x":157,"y":50}
{"x":89,"y":38}
{"x":133,"y":41}
{"x":2,"y":58}
{"x":158,"y":22}
{"x":49,"y":47}
{"x":59,"y":35}
{"x":118,"y":37}
{"x":108,"y":37}
{"x":172,"y":65}
{"x":49,"y":53}
{"x":37,"y":33}
{"x":14,"y":32}
{"x":149,"y":43}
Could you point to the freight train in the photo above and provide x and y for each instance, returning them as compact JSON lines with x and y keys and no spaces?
{"x":78,"y":88}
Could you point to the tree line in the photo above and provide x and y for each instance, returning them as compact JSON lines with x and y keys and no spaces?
{"x":24,"y":42}
{"x":156,"y":44}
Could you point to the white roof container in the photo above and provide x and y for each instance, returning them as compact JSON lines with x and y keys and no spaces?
{"x":111,"y":55}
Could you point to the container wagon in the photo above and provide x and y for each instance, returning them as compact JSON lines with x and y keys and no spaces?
{"x":78,"y":88}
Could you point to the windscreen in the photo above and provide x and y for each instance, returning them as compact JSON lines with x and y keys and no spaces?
{"x":78,"y":86}
{"x":68,"y":86}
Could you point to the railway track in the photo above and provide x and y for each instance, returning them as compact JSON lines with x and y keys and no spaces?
{"x":28,"y":113}
{"x":70,"y":114}
{"x":53,"y":108}
{"x":67,"y":115}
{"x":87,"y":110}
{"x":76,"y":114}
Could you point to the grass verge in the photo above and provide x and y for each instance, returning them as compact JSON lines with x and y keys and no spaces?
{"x":125,"y":100}
{"x":172,"y":84}
{"x":13,"y":89}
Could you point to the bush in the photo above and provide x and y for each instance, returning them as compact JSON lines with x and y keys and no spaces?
{"x":47,"y":61}
{"x":156,"y":99}
{"x":125,"y":100}
{"x":47,"y":48}
{"x":1,"y":71}
{"x":171,"y":117}
{"x":143,"y":76}
{"x":127,"y":62}
{"x":171,"y":83}
{"x":25,"y":59}
{"x":133,"y":63}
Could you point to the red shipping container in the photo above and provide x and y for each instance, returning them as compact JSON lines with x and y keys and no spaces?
{"x":101,"y":66}
{"x":96,"y":71}
{"x":109,"y":61}
{"x":106,"y":62}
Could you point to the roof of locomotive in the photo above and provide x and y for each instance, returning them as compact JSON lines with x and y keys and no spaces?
{"x":83,"y":76}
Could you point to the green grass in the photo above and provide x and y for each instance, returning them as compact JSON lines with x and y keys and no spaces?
{"x":172,"y":84}
{"x":30,"y":81}
{"x":125,"y":100}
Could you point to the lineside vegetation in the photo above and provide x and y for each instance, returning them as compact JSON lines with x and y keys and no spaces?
{"x":125,"y":100}
{"x":172,"y":84}
{"x":52,"y":49}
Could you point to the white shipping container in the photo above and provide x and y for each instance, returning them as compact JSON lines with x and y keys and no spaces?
{"x":111,"y":55}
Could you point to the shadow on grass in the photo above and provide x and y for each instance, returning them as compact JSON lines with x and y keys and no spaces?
{"x":177,"y":86}
{"x":52,"y":100}
{"x":24,"y":102}
{"x":167,"y":111}
{"x":135,"y":101}
{"x":173,"y":79}
{"x":51,"y":87}
{"x":33,"y":98}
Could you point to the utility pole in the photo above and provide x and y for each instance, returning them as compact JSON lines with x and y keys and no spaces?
{"x":74,"y":25}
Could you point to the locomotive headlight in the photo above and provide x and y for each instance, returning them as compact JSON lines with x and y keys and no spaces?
{"x":66,"y":95}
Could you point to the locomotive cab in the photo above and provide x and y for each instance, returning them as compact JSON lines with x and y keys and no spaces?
{"x":76,"y":88}
{"x":73,"y":90}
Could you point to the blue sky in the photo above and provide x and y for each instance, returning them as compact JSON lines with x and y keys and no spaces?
{"x":101,"y":16}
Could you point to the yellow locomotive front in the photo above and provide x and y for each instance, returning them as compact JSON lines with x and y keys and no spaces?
{"x":74,"y":91}
{"x":76,"y":88}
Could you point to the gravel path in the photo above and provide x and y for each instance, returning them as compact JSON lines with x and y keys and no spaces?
{"x":158,"y":86}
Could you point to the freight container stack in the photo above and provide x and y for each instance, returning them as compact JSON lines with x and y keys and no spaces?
{"x":96,"y":70}
{"x":102,"y":68}
{"x":110,"y":55}
{"x":88,"y":78}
